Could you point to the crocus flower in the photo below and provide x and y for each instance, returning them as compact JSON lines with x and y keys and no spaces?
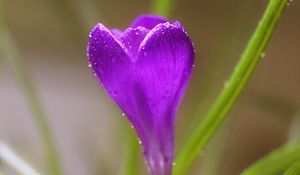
{"x":145,"y":69}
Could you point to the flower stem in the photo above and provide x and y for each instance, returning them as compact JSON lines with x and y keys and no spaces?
{"x":131,"y":156}
{"x":13,"y":59}
{"x":215,"y":151}
{"x":294,"y":169}
{"x":8,"y":156}
{"x":162,"y":7}
{"x":10,"y":54}
{"x":294,"y":132}
{"x":277,"y":161}
{"x":232,"y":89}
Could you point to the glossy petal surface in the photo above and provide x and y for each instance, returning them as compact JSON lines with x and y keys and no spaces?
{"x":148,"y":21}
{"x":163,"y":67}
{"x":145,"y":70}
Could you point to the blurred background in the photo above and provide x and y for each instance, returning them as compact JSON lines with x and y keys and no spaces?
{"x":51,"y":37}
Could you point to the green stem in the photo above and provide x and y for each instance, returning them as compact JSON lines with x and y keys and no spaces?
{"x":232,"y":89}
{"x":68,"y":17}
{"x":162,"y":7}
{"x":215,"y":151}
{"x":293,"y":170}
{"x":131,"y":155}
{"x":276,"y":162}
{"x":9,"y":157}
{"x":1,"y":16}
{"x":294,"y":132}
{"x":10,"y":54}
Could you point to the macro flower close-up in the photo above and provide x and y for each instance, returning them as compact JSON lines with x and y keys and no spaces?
{"x":149,"y":87}
{"x":145,"y":69}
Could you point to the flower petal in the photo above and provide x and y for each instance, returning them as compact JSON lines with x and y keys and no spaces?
{"x":132,"y":38}
{"x":164,"y":66}
{"x":114,"y":67}
{"x":110,"y":62}
{"x":117,"y":33}
{"x":148,"y":21}
{"x":146,"y":73}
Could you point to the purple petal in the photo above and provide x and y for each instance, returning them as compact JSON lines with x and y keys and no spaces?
{"x":163,"y":67}
{"x":146,"y":73}
{"x":113,"y":65}
{"x":132,"y":38}
{"x":117,"y":33}
{"x":148,"y":21}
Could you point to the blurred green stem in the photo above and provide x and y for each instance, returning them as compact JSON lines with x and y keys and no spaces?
{"x":69,"y":18}
{"x":294,"y":169}
{"x":9,"y":157}
{"x":87,"y":12}
{"x":214,"y":153}
{"x":77,"y":17}
{"x":162,"y":7}
{"x":295,"y":127}
{"x":10,"y":54}
{"x":13,"y":59}
{"x":276,"y":162}
{"x":131,"y":154}
{"x":232,"y":88}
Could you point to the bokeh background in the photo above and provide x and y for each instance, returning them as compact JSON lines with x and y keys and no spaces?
{"x":51,"y":37}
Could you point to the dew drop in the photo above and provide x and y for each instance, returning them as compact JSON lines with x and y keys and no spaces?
{"x":123,"y":114}
{"x":173,"y":163}
{"x":262,"y":55}
{"x":139,"y":140}
{"x":90,"y":65}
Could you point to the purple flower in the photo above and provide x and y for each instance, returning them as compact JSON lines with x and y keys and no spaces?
{"x":145,"y":69}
